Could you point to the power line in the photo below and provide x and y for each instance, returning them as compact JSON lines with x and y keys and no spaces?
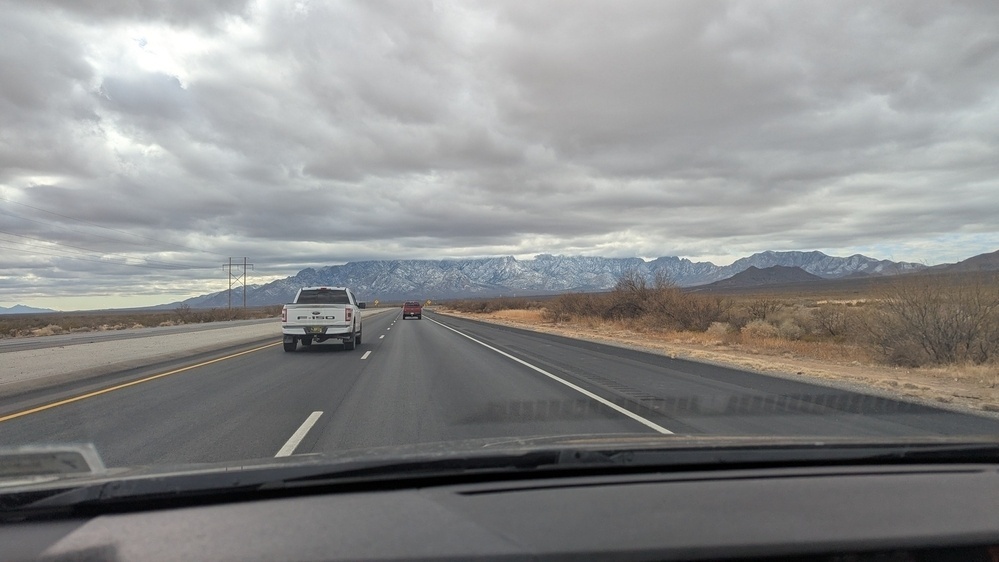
{"x":66,"y":228}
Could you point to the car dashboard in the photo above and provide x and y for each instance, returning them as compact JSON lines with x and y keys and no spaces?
{"x":890,"y":512}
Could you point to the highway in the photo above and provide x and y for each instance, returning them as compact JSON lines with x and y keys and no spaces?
{"x":433,"y":380}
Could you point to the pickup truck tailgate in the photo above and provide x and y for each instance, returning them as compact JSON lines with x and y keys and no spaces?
{"x":318,"y":319}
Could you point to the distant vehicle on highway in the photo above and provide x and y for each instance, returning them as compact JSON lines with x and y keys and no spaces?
{"x":412,"y":309}
{"x":319,"y":314}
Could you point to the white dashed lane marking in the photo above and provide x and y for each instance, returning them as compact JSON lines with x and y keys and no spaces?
{"x":299,"y":434}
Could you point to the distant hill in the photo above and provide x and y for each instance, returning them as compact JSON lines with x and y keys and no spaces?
{"x":756,"y":277}
{"x":21,"y":309}
{"x":981,"y":262}
{"x":544,"y":274}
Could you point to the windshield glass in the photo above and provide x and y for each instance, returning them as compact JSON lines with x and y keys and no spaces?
{"x":560,"y":221}
{"x":323,"y":296}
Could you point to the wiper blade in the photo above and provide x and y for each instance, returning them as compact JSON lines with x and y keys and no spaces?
{"x":558,"y":461}
{"x":797,"y":454}
{"x":253,"y":482}
{"x":277,"y":480}
{"x":440,"y":465}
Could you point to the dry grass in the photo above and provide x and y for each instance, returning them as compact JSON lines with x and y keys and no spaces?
{"x":518,"y":315}
{"x":824,"y":350}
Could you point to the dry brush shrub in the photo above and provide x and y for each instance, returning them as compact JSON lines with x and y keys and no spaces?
{"x":937,"y":319}
{"x":744,"y":311}
{"x":15,"y":325}
{"x":674,"y":309}
{"x":470,"y":306}
{"x":719,"y":329}
{"x":758,"y":329}
{"x":184,"y":313}
{"x":824,"y":350}
{"x":636,"y":303}
{"x":630,"y":297}
{"x":50,"y":330}
{"x":479,"y":306}
{"x":663,"y":305}
{"x":798,"y":322}
{"x":834,"y":321}
{"x":574,"y":306}
{"x":790,"y":330}
{"x":763,"y":308}
{"x":507,"y":303}
{"x":722,"y":333}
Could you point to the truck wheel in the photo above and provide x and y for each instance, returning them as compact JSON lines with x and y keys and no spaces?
{"x":357,"y":340}
{"x":350,"y":344}
{"x":419,"y":317}
{"x":291,"y":346}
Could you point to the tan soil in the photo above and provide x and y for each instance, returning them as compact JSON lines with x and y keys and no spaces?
{"x":974,"y":387}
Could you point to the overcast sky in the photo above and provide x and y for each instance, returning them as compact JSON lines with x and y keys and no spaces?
{"x":144,"y":142}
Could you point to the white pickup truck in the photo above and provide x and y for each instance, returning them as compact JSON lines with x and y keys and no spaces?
{"x":319,"y":314}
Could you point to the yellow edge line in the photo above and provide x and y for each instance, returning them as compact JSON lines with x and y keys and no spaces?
{"x":127,"y":384}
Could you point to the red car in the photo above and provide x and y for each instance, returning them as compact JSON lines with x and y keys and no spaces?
{"x":412,"y":308}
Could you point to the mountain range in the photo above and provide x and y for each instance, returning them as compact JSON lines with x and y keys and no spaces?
{"x":981,"y":262}
{"x":773,"y":275}
{"x":392,"y":280}
{"x":22,"y":309}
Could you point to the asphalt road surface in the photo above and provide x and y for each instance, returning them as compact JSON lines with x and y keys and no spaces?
{"x":433,"y":380}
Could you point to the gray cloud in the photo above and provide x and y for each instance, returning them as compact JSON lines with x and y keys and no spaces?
{"x":311,"y":133}
{"x":173,"y":12}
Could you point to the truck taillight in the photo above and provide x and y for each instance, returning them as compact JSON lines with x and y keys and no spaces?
{"x":284,"y":314}
{"x":349,"y":314}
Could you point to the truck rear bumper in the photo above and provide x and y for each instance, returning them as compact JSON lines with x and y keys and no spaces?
{"x":290,"y":333}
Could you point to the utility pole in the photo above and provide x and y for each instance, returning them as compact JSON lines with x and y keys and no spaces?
{"x":239,"y":277}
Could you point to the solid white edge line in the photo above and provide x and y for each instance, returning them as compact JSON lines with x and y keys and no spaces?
{"x":366,"y":354}
{"x":296,"y":438}
{"x":579,"y":389}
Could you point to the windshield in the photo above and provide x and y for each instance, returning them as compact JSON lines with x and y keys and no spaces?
{"x":561,"y":222}
{"x":323,"y":296}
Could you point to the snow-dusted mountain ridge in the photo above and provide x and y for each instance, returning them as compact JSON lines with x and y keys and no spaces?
{"x":442,"y":279}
